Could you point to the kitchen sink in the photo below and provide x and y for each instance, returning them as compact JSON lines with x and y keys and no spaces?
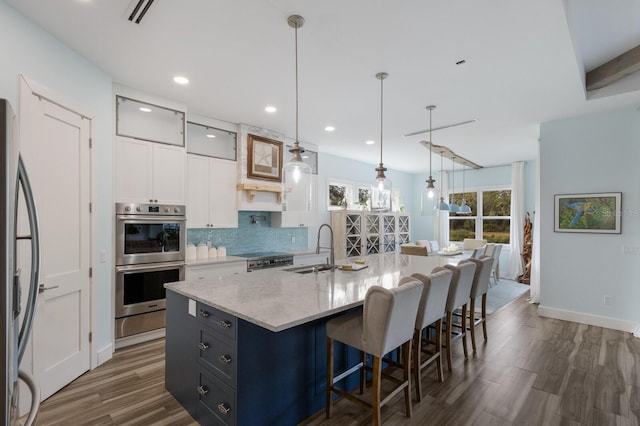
{"x":307,"y":269}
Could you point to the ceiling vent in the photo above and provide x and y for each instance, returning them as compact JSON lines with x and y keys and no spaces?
{"x":140,"y":10}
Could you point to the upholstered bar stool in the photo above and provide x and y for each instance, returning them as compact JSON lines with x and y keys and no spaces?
{"x":458,"y":298}
{"x":385,"y":323}
{"x":479,"y":288}
{"x":432,"y":308}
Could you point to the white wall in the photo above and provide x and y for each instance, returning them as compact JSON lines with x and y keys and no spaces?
{"x":595,"y":153}
{"x":347,"y":170}
{"x":30,"y":51}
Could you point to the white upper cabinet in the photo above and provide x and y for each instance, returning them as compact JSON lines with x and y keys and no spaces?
{"x":211,"y":192}
{"x":211,"y":141}
{"x":299,"y":219}
{"x":143,"y":120}
{"x":148,"y":172}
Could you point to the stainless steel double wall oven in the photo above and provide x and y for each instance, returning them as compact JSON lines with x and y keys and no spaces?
{"x":150,"y":251}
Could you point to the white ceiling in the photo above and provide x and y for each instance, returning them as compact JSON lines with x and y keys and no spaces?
{"x":521,"y":66}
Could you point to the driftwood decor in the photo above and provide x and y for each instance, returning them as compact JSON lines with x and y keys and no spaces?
{"x":527,"y":250}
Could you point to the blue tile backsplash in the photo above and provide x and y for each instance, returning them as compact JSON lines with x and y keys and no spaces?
{"x":251,"y":237}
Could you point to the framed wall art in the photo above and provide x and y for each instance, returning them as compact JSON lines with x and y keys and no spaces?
{"x":591,"y":212}
{"x":264,"y":158}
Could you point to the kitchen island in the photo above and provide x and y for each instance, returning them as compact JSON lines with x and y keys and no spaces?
{"x":249,"y":348}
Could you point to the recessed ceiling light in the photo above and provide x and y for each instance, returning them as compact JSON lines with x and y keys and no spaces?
{"x":145,"y":109}
{"x":181,"y":80}
{"x":370,"y":142}
{"x":211,"y":136}
{"x":329,"y":128}
{"x":270,"y":108}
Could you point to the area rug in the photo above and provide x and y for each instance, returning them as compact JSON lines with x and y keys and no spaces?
{"x":502,"y":293}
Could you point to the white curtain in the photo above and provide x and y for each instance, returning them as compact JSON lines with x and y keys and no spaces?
{"x":442,"y":220}
{"x":534,"y":290}
{"x":517,"y":220}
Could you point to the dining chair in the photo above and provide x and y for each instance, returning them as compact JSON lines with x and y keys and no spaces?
{"x":471,"y":243}
{"x":431,"y":310}
{"x":477,"y":252}
{"x":458,"y":298}
{"x":479,"y":289}
{"x":495,"y":270}
{"x":489,"y":249}
{"x":386,"y":322}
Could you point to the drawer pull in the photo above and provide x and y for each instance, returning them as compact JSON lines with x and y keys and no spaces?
{"x":203,"y":346}
{"x":203,"y":313}
{"x":224,"y":408}
{"x":224,"y":324}
{"x":224,"y":359}
{"x":202,"y":390}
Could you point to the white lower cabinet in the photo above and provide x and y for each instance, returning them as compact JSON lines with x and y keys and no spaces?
{"x":214,"y":271}
{"x":211,"y":192}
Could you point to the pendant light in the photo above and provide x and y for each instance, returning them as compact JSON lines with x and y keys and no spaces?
{"x":429,"y":197}
{"x":296,"y":174}
{"x":453,"y":207}
{"x":464,"y":208}
{"x":442,"y":205}
{"x":381,"y":187}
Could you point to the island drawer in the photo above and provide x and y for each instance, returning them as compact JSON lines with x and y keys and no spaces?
{"x":216,"y":401}
{"x":219,"y":322}
{"x":218,"y":355}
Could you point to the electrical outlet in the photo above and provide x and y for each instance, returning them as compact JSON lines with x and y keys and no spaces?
{"x":293,"y":239}
{"x":608,"y":300}
{"x":630,"y":250}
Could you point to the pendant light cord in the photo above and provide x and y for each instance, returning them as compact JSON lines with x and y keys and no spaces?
{"x":296,"y":56}
{"x":430,"y":141}
{"x":381,"y":116}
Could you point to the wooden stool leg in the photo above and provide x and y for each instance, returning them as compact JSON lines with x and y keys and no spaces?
{"x":363,"y":371}
{"x":329,"y":377}
{"x":417,"y":344}
{"x":439,"y":350}
{"x":464,"y":331}
{"x":448,"y":337}
{"x":472,"y":320}
{"x":406,"y":351}
{"x":375,"y":390}
{"x":484,"y":316}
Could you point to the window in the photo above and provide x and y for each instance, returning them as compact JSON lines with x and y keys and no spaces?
{"x":490,"y":217}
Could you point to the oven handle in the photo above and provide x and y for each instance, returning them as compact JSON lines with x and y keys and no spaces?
{"x":149,"y":266}
{"x":139,"y":218}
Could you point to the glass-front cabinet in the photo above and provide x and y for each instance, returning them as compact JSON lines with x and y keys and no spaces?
{"x":146,"y":121}
{"x":211,"y":142}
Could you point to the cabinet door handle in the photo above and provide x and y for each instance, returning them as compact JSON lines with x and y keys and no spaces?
{"x":203,"y":346}
{"x":202,"y":390}
{"x":224,"y":408}
{"x":224,"y":359}
{"x":224,"y":324}
{"x":204,"y":314}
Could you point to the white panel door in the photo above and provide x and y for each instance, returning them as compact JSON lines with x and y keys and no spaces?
{"x":55,"y":149}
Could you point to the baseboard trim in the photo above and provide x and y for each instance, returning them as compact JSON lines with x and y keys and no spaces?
{"x":104,"y":355}
{"x":606,"y":322}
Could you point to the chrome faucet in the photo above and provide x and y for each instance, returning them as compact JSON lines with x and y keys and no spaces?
{"x":332,"y":262}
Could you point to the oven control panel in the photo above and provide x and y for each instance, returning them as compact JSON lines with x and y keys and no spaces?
{"x":150,"y":209}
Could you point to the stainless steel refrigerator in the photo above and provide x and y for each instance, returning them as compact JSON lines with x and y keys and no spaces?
{"x":14,"y":333}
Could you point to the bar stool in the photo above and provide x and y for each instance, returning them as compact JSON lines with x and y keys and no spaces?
{"x":385,"y":323}
{"x":431,"y":310}
{"x":479,"y":288}
{"x":458,"y":298}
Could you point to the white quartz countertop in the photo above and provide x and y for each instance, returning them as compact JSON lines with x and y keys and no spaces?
{"x":277,"y":299}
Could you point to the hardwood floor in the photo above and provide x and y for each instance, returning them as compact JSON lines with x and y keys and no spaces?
{"x":533,"y":370}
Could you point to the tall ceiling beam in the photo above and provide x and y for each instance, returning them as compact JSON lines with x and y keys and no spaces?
{"x":617,"y":68}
